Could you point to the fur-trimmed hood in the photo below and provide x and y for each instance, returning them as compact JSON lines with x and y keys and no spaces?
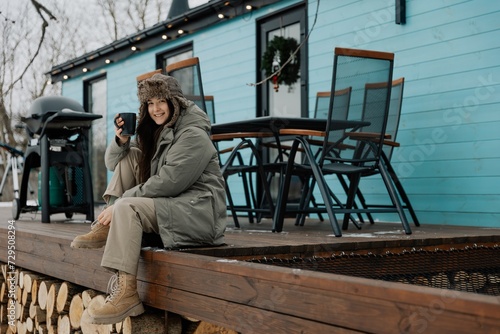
{"x":163,"y":86}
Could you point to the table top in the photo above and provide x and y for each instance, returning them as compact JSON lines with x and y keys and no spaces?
{"x":275,"y":124}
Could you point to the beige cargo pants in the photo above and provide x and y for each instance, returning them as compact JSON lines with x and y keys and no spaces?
{"x":131,"y":217}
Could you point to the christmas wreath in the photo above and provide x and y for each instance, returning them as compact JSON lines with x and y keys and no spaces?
{"x":279,"y":49}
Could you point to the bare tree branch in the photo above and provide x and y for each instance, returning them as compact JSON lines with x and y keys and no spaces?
{"x":7,"y":131}
{"x":110,"y":10}
{"x":39,"y":8}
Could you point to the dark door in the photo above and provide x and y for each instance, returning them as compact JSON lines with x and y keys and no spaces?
{"x":289,"y":100}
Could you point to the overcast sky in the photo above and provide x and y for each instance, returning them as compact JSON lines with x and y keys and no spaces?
{"x":91,"y":30}
{"x":90,"y":13}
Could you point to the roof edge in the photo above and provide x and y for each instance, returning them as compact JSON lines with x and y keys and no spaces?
{"x":191,"y":21}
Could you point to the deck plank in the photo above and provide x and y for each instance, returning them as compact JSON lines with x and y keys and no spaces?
{"x":341,"y":301}
{"x":244,"y":318}
{"x":217,"y":285}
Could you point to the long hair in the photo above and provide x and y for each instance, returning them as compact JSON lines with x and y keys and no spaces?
{"x":148,"y":133}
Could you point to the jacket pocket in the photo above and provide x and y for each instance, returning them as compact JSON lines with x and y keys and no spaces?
{"x":193,"y":221}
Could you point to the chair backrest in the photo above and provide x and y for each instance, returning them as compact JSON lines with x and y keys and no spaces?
{"x":147,"y":75}
{"x":358,"y":69}
{"x":373,"y":94}
{"x":394,"y":113}
{"x":188,"y":73}
{"x":343,"y":97}
{"x":322,"y":104}
{"x":341,"y":111}
{"x":209,"y":101}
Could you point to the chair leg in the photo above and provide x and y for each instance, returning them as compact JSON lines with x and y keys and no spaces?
{"x":319,"y":179}
{"x":282,"y":198}
{"x":235,"y":154}
{"x":248,"y":199}
{"x":325,"y":193}
{"x":262,"y":176}
{"x":305,"y":200}
{"x":264,"y":198}
{"x":231,"y":207}
{"x":246,"y":190}
{"x":394,"y":197}
{"x":360,"y":216}
{"x":362,"y":201}
{"x":401,"y":191}
{"x":310,"y":198}
{"x":406,"y":200}
{"x":323,"y":188}
{"x":351,"y":196}
{"x":316,"y":205}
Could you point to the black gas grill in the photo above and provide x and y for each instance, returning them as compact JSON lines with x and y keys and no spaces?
{"x":58,"y":129}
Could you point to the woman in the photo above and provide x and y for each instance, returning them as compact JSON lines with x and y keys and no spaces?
{"x":170,"y":184}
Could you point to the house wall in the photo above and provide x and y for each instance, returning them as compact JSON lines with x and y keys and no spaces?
{"x":447,"y":51}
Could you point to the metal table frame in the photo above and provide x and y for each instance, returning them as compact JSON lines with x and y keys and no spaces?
{"x":274,"y":124}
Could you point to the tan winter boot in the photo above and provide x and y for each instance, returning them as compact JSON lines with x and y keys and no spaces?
{"x":123,"y":301}
{"x":96,"y":238}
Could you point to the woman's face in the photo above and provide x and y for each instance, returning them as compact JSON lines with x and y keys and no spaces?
{"x":158,"y":110}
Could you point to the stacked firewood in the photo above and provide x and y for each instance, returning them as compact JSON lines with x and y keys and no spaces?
{"x":33,"y":303}
{"x":475,"y":282}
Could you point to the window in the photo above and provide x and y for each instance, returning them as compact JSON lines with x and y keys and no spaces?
{"x":173,"y":56}
{"x":95,"y":101}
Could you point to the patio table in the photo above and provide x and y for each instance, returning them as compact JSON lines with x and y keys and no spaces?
{"x":275,"y":123}
{"x":261,"y":128}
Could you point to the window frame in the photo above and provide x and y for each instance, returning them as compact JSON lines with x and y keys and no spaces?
{"x":162,"y":57}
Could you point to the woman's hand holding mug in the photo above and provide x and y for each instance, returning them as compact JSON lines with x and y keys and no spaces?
{"x":125,"y":124}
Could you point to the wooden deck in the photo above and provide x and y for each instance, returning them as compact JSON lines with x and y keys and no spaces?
{"x":217,"y":284}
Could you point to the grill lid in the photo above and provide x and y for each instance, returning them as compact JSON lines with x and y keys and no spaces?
{"x":53,"y":104}
{"x":57,"y":112}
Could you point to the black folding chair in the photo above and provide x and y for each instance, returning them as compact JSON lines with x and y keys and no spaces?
{"x":352,"y":68}
{"x":389,"y":144}
{"x":341,"y":111}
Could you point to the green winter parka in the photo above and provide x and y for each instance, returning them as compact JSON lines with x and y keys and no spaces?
{"x":186,"y":182}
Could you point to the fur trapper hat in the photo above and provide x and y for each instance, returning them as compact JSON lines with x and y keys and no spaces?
{"x":162,"y":86}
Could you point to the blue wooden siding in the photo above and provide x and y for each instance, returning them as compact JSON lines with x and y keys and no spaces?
{"x":448,"y":51}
